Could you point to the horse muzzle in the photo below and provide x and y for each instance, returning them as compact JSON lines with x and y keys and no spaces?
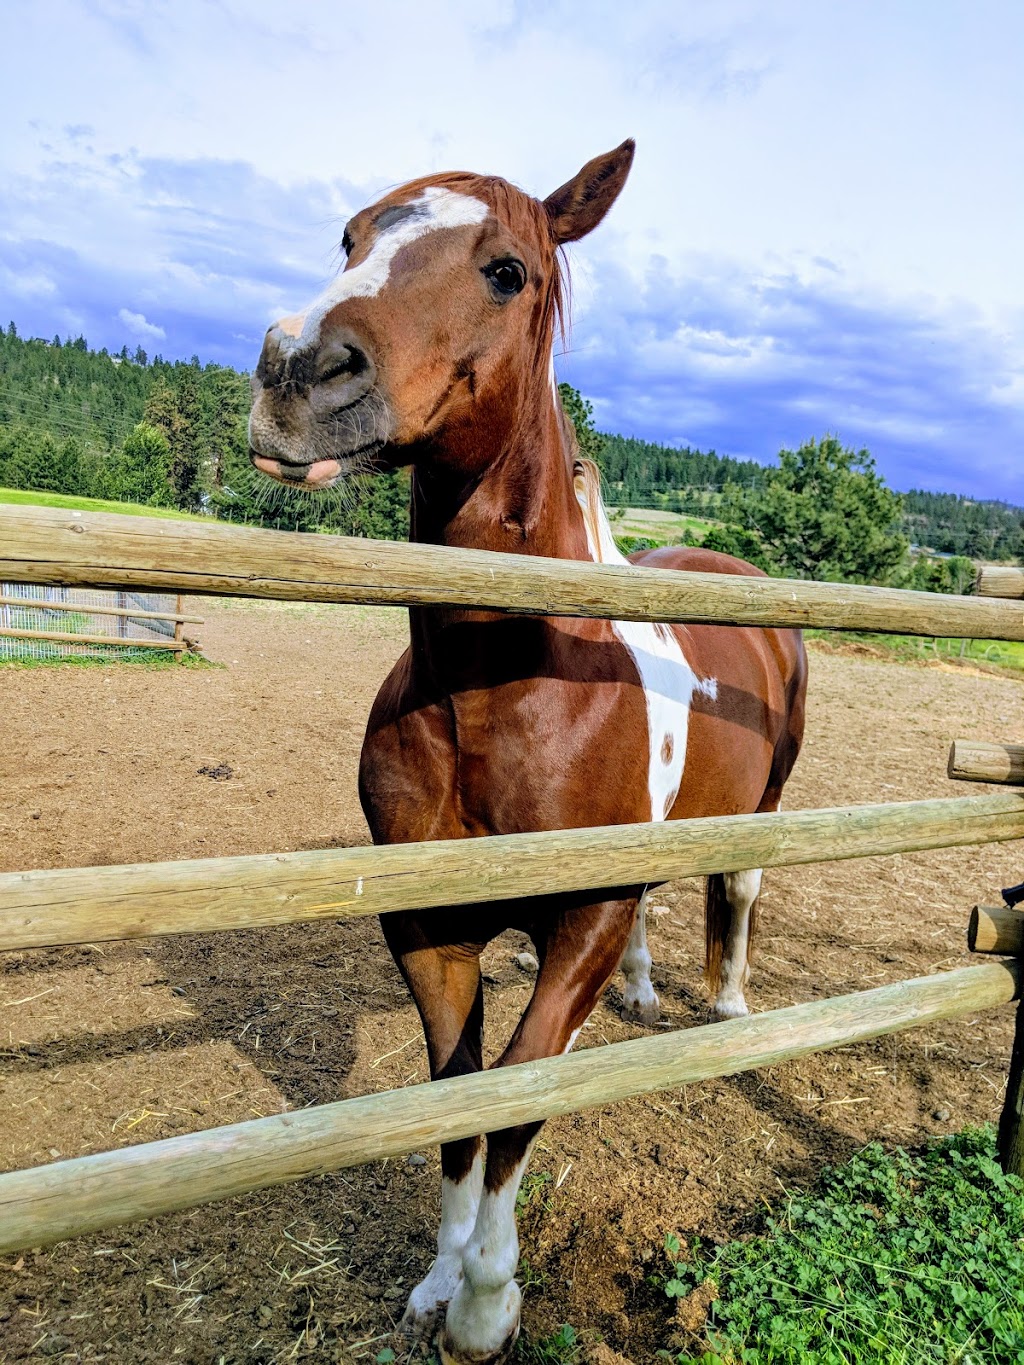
{"x":317,"y":413}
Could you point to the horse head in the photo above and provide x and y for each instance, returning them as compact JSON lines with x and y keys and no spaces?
{"x":442,"y":318}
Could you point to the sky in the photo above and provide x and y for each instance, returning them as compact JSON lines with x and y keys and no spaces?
{"x":821,"y":233}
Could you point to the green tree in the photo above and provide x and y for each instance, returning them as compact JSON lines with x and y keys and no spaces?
{"x":70,"y":474}
{"x":34,"y":464}
{"x":380,"y":508}
{"x":824,"y":512}
{"x":186,"y":447}
{"x":161,"y":410}
{"x":580,"y":412}
{"x":141,"y":470}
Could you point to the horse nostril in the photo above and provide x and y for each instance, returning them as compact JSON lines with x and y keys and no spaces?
{"x":340,"y":360}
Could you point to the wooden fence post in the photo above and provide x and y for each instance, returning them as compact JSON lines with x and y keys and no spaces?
{"x":999,"y":929}
{"x":1011,"y":1121}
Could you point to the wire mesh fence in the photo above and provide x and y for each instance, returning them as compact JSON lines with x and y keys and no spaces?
{"x":38,"y":622}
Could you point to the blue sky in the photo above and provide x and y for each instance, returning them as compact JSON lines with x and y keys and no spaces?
{"x":821,"y":232}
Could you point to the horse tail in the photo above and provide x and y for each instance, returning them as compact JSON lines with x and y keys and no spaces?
{"x":717,"y":920}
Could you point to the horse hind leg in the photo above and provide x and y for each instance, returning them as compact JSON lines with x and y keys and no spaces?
{"x":730,"y":909}
{"x":639,"y":999}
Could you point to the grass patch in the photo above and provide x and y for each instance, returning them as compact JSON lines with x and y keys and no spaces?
{"x":1005,"y":655}
{"x":151,"y":659}
{"x":560,"y":1348}
{"x":663,"y":528}
{"x":895,"y":1259}
{"x":28,"y":497}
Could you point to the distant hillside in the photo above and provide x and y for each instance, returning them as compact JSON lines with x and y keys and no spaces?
{"x":645,"y":474}
{"x":129,"y":428}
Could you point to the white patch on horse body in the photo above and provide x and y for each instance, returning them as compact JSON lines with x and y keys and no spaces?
{"x":484,"y":1310}
{"x":667,"y":679}
{"x":459,"y":1203}
{"x":572,"y":1040}
{"x":435,"y":208}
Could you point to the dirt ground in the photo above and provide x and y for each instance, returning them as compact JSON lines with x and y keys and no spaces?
{"x":125,"y":1043}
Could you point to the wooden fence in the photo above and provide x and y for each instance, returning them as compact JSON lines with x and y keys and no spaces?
{"x":44,"y":621}
{"x":71,"y":1197}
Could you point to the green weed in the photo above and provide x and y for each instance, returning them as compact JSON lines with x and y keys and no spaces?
{"x":532,"y":1191}
{"x":896,"y":1259}
{"x":152,"y":659}
{"x":560,"y":1348}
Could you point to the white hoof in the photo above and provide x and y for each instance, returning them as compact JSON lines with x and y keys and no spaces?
{"x":731,"y":1006}
{"x":641,"y":1007}
{"x":480,"y":1328}
{"x":430,"y":1298}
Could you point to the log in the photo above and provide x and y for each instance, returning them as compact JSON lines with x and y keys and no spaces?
{"x":973,"y":760}
{"x":996,"y":929}
{"x":38,"y":604}
{"x":48,"y":545}
{"x":1000,"y":580}
{"x":82,"y":1195}
{"x":82,"y":905}
{"x":68,"y":638}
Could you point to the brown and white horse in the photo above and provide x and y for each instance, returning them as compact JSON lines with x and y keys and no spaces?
{"x":433,"y":348}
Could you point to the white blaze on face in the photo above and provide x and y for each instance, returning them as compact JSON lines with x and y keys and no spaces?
{"x":667,"y":679}
{"x":434,"y":209}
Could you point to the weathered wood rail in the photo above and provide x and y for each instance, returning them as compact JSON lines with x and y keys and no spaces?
{"x":82,"y":905}
{"x":1001,"y":580}
{"x":48,"y":545}
{"x":68,"y":1198}
{"x":975,"y":760}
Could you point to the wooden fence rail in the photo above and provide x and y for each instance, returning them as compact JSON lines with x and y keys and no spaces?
{"x":68,"y":1198}
{"x":48,"y":545}
{"x":975,"y":760}
{"x":1001,"y":580}
{"x":81,"y":905}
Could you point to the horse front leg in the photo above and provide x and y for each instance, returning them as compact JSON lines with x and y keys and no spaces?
{"x":445,"y":983}
{"x":579,"y":952}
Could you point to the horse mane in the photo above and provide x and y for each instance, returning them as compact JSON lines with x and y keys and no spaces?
{"x":527,"y":218}
{"x":586,"y":478}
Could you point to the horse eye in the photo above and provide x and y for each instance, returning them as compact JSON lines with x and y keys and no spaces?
{"x":506,"y":277}
{"x":346,"y":243}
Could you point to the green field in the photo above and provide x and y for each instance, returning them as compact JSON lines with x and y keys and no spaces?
{"x":21,"y":497}
{"x":1002,"y":654}
{"x":667,"y":528}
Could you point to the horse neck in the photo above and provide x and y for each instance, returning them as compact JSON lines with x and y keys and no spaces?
{"x":522,"y":502}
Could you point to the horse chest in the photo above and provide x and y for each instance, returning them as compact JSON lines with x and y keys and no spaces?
{"x":564,"y":750}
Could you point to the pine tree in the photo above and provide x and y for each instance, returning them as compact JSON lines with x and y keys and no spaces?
{"x":141,"y":470}
{"x":186,"y":447}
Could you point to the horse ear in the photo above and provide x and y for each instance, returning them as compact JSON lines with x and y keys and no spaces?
{"x":581,"y":203}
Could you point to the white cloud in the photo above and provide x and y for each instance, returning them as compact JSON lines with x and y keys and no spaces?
{"x":200,"y":158}
{"x":139,"y":326}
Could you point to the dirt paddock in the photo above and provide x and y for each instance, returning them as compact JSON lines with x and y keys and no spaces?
{"x":129,"y":1042}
